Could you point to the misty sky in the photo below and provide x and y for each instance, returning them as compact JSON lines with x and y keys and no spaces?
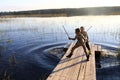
{"x":18,"y":5}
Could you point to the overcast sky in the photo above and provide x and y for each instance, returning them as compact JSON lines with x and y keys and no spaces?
{"x":18,"y":5}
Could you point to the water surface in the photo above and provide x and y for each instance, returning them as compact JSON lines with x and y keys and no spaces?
{"x":29,"y":40}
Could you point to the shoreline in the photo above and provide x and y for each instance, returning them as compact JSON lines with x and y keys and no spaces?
{"x":35,"y":15}
{"x":49,"y":15}
{"x":94,"y":11}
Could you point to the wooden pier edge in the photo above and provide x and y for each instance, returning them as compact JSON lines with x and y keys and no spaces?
{"x":76,"y":67}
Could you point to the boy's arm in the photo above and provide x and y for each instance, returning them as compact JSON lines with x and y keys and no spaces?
{"x":87,"y":36}
{"x":72,"y":38}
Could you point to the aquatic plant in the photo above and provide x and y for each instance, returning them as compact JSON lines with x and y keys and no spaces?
{"x":118,"y":56}
{"x":9,"y":41}
{"x":7,"y":76}
{"x":12,"y":60}
{"x":1,"y":49}
{"x":0,"y":55}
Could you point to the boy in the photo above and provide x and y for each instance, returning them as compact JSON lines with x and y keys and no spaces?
{"x":84,"y":33}
{"x":80,"y":42}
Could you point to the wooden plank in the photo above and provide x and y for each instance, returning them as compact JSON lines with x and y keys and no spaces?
{"x":76,"y":67}
{"x":85,"y":69}
{"x":60,"y":65}
{"x":82,"y":69}
{"x":67,"y":68}
{"x":72,"y":74}
{"x":66,"y":72}
{"x":93,"y":68}
{"x":70,"y":66}
{"x":90,"y":67}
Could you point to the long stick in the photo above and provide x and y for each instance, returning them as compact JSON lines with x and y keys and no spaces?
{"x":65,"y":31}
{"x":89,"y":28}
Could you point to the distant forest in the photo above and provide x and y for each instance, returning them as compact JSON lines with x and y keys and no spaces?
{"x":64,"y":12}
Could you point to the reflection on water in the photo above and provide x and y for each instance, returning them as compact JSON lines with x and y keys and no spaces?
{"x":27,"y":40}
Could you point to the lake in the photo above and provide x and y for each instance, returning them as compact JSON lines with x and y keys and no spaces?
{"x":25,"y":42}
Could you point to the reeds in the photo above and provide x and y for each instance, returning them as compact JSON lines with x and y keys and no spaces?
{"x":12,"y":60}
{"x":118,"y":56}
{"x":6,"y":75}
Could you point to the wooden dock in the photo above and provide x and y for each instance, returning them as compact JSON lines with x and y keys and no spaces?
{"x":76,"y":67}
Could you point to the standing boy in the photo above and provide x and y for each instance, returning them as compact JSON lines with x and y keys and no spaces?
{"x":84,"y":33}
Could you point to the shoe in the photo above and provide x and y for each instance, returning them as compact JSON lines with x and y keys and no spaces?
{"x":69,"y":56}
{"x":88,"y":57}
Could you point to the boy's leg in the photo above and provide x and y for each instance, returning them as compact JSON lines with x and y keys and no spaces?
{"x":85,"y":52}
{"x":88,"y":47}
{"x":73,"y":48}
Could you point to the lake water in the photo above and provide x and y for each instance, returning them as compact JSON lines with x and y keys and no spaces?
{"x":26,"y":41}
